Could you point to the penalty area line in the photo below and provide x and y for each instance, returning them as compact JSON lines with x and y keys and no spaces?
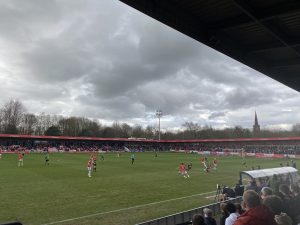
{"x":124,"y":209}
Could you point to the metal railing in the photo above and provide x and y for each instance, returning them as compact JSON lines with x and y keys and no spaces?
{"x":185,"y":217}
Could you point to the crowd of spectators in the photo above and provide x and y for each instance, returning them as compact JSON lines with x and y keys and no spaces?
{"x":84,"y":145}
{"x":265,"y":202}
{"x":274,"y":149}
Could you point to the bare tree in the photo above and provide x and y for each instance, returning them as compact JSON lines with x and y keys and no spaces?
{"x":191,"y":130}
{"x":138,"y":131}
{"x":28,"y":124}
{"x":44,"y":121}
{"x":126,"y":130}
{"x":149,"y":132}
{"x":90,"y":128}
{"x":12,"y":114}
{"x":1,"y":122}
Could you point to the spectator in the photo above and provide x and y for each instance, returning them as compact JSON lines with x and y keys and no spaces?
{"x":266,"y":191}
{"x":295,"y":203}
{"x":239,"y":189}
{"x":274,"y":203}
{"x":208,"y":219}
{"x":274,"y":184}
{"x":224,"y":213}
{"x":228,"y":192}
{"x":256,"y":213}
{"x":267,"y":180}
{"x":198,"y":220}
{"x":283,"y":219}
{"x":252,"y":185}
{"x":284,"y":193}
{"x":239,"y":208}
{"x":261,"y":184}
{"x":295,"y":190}
{"x":233,"y":214}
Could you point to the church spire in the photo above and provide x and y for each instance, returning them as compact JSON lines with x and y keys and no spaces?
{"x":256,"y":127}
{"x":256,"y":121}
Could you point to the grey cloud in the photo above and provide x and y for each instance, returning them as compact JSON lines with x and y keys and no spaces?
{"x":55,"y":63}
{"x":75,"y":58}
{"x":246,"y":97}
{"x":23,"y":20}
{"x":214,"y":115}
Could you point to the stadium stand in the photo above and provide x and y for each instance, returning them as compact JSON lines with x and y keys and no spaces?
{"x":259,"y":147}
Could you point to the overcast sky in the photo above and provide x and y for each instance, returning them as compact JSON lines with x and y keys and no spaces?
{"x":103,"y":59}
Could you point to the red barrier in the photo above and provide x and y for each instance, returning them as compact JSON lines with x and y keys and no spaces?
{"x":278,"y":156}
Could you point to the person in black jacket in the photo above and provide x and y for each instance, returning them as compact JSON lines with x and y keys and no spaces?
{"x":224,"y":213}
{"x":198,"y":220}
{"x":208,"y":219}
{"x":295,"y":203}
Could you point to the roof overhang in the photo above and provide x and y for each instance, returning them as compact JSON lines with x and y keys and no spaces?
{"x":264,"y":35}
{"x":270,"y":172}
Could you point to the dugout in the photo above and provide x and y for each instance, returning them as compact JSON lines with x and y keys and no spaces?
{"x":284,"y":172}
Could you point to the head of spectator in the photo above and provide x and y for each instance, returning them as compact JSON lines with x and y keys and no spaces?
{"x":250,"y":199}
{"x":233,"y":214}
{"x":223,"y":208}
{"x":198,"y":219}
{"x":224,"y":213}
{"x":253,"y":182}
{"x":261,"y":183}
{"x":208,"y":219}
{"x":284,"y":192}
{"x":274,"y":203}
{"x":283,"y":219}
{"x":295,"y":189}
{"x":255,"y":213}
{"x":252,"y":185}
{"x":207,"y":212}
{"x":266,"y":191}
{"x":230,"y":207}
{"x":239,"y":208}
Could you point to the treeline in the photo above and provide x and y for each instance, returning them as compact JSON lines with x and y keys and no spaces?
{"x":15,"y":120}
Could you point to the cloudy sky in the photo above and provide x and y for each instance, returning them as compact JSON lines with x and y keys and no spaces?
{"x":103,"y":59}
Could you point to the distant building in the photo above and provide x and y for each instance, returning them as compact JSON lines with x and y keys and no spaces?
{"x":256,"y":127}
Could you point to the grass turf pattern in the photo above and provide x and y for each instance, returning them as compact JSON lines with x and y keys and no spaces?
{"x":40,"y":194}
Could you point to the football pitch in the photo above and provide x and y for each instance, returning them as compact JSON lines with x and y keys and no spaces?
{"x":118,"y":193}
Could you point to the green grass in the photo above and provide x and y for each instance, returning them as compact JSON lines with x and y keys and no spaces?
{"x":39,"y":194}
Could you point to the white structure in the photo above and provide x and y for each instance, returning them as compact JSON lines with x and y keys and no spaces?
{"x":158,"y":114}
{"x":291,"y":172}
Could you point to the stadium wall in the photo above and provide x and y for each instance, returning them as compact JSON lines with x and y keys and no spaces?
{"x":257,"y":155}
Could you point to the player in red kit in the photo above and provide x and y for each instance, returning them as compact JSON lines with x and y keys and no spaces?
{"x":183,"y":171}
{"x":21,"y":156}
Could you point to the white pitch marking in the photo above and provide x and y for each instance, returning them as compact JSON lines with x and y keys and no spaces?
{"x":212,"y":196}
{"x":123,"y":209}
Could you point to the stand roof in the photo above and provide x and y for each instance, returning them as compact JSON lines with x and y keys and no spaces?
{"x":270,"y":172}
